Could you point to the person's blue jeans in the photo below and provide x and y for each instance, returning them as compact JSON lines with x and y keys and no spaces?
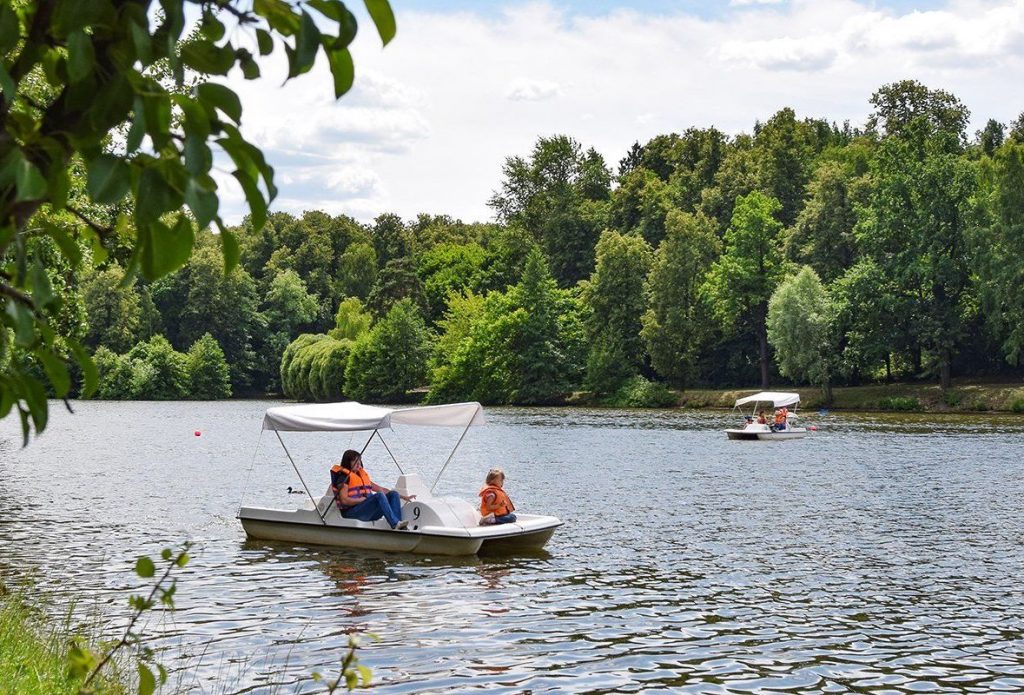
{"x":376,"y":506}
{"x":505,"y":518}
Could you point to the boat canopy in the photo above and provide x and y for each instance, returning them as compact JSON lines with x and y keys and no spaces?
{"x":777,"y":399}
{"x":354,"y":417}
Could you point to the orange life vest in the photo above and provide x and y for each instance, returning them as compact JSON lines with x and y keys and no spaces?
{"x":780,"y":415}
{"x":359,"y":484}
{"x":501,"y":505}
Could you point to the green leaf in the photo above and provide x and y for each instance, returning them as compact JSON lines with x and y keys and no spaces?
{"x":365,"y":673}
{"x":383,"y":17}
{"x":29,"y":181}
{"x":56,"y":372}
{"x":42,"y":290}
{"x":305,"y":46}
{"x":141,"y":40}
{"x":212,"y":27}
{"x":279,"y":16}
{"x":7,"y":87}
{"x":198,"y":158}
{"x":157,"y":108}
{"x":147,"y":682}
{"x":202,"y":200}
{"x":80,"y":56}
{"x":205,"y":57}
{"x":342,"y":69}
{"x":182,"y":560}
{"x":168,"y":248}
{"x":253,"y":195}
{"x":196,"y":121}
{"x":90,"y":374}
{"x":137,"y":130}
{"x":221,"y":97}
{"x":166,"y":554}
{"x":9,"y":29}
{"x":265,"y":42}
{"x":109,"y":179}
{"x":67,"y":245}
{"x":24,"y":322}
{"x":34,"y":394}
{"x":144,"y":567}
{"x":154,"y":197}
{"x":250,"y":70}
{"x":231,"y":250}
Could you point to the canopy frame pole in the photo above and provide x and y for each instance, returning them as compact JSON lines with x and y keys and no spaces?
{"x":290,"y":459}
{"x":377,"y":434}
{"x":454,"y":449}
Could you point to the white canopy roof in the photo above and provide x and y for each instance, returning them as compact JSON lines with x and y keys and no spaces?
{"x":351,"y":416}
{"x":776,"y":398}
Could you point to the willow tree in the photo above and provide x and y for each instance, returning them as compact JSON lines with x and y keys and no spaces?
{"x":72,"y":72}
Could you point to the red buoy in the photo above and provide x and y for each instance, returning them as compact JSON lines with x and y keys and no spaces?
{"x":198,"y":433}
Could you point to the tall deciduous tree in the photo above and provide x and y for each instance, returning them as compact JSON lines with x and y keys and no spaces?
{"x":70,"y":74}
{"x":616,"y":301}
{"x":560,"y":196}
{"x":208,"y":375}
{"x":391,"y":359}
{"x":741,"y":282}
{"x":1001,"y":248}
{"x":801,"y":322}
{"x":200,"y":299}
{"x":916,"y":221}
{"x":114,"y":309}
{"x":676,"y":325}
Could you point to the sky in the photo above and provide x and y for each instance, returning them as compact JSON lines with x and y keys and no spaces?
{"x":465,"y":84}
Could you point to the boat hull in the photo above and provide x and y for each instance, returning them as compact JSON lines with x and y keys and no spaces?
{"x":751,"y":434}
{"x":447,"y":526}
{"x":385,"y":540}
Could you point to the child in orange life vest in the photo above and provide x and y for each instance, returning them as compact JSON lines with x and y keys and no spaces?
{"x":495,"y":506}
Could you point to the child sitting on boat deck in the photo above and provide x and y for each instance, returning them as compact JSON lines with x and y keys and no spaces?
{"x":495,"y":506}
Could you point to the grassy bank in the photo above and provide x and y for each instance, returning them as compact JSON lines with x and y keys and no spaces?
{"x":911,"y":397}
{"x":34,"y":655}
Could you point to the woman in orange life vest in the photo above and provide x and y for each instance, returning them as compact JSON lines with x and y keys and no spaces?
{"x":495,"y":506}
{"x":360,"y":498}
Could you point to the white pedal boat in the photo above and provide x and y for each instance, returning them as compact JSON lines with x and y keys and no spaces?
{"x":437,"y":525}
{"x":757,"y":431}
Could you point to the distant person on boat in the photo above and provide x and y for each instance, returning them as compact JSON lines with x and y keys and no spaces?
{"x":762,"y":419}
{"x":360,"y":498}
{"x":495,"y":506}
{"x":781,"y":416}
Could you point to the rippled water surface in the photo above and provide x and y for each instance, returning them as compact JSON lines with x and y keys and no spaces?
{"x":881,"y":554}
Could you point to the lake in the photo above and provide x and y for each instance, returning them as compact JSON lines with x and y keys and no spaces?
{"x":882,"y":553}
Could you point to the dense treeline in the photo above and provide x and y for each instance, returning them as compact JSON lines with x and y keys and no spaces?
{"x":803,"y":251}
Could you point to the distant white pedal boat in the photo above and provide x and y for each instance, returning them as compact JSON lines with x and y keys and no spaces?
{"x":436,"y":525}
{"x":770,"y":430}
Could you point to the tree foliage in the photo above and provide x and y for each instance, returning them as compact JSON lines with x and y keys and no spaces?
{"x":391,"y":359}
{"x":71,"y":73}
{"x":208,"y":374}
{"x":800,"y":328}
{"x":742,"y":281}
{"x":616,"y":299}
{"x":677,"y":325}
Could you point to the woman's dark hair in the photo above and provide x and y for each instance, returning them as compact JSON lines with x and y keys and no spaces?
{"x":348,"y":457}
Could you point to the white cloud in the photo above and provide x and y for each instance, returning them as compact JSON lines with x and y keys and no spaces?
{"x":744,"y":3}
{"x":532,"y":90}
{"x":432,"y":117}
{"x":810,"y":54}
